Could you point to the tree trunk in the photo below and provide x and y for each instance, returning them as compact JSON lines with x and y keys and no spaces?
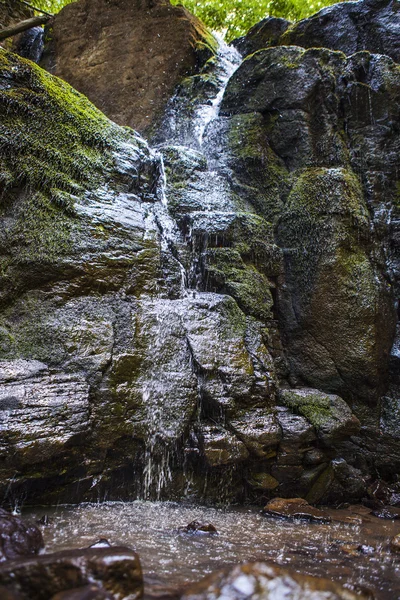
{"x":23,"y":26}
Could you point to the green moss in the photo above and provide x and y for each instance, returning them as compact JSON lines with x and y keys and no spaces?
{"x":52,"y":138}
{"x":262,"y":176}
{"x":325,"y":212}
{"x":55,"y":146}
{"x":316,"y":408}
{"x":226,"y":272}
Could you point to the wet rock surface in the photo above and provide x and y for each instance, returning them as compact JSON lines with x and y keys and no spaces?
{"x":18,"y":538}
{"x":154,"y":44}
{"x":295,"y":508}
{"x":267,"y":581}
{"x":222,"y":311}
{"x":113,"y":573}
{"x":88,"y":592}
{"x":195,"y":527}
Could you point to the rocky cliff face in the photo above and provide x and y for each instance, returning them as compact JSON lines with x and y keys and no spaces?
{"x":216,"y":318}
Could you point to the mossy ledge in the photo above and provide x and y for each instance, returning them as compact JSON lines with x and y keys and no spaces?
{"x":55,"y":147}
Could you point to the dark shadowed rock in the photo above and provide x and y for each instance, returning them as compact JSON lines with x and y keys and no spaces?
{"x":116,"y":572}
{"x":295,"y":508}
{"x":18,"y":538}
{"x":351,"y":27}
{"x":127,"y":57}
{"x":7,"y":595}
{"x":262,"y":35}
{"x":324,"y":226}
{"x":348,"y":27}
{"x":270,"y":582}
{"x":199,"y":528}
{"x":88,"y":592}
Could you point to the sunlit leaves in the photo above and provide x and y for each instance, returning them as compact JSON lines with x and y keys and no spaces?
{"x":230,"y":17}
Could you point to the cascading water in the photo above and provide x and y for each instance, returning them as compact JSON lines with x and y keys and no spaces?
{"x":160,"y":451}
{"x":228,"y":60}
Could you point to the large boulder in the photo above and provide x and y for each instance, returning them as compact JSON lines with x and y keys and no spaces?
{"x":104,"y":352}
{"x":12,"y":12}
{"x":127,"y":57}
{"x":336,"y":303}
{"x":371,"y":25}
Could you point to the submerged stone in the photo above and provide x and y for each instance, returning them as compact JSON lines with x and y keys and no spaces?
{"x":199,"y":528}
{"x":295,"y":508}
{"x":255,"y":580}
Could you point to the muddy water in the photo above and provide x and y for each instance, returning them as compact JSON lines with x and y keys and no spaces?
{"x":171,"y":558}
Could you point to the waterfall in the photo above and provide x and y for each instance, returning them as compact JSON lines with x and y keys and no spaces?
{"x":228,"y":60}
{"x":160,"y":447}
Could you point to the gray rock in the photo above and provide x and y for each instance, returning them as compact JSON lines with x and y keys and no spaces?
{"x":259,"y":431}
{"x":328,"y":414}
{"x":262,"y":35}
{"x":41,"y":414}
{"x":50,"y":574}
{"x":220,"y":447}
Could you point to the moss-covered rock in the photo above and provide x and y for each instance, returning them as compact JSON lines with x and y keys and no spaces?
{"x":328,"y":414}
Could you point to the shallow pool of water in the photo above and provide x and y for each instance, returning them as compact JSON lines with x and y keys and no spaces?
{"x":171,"y":558}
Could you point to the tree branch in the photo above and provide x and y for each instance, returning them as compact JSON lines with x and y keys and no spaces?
{"x":37,"y":9}
{"x":23,"y":26}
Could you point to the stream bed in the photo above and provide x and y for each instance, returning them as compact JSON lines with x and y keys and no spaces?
{"x":352,"y":550}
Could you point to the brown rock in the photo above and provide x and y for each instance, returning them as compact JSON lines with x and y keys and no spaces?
{"x":18,"y":538}
{"x":196,"y":527}
{"x":7,"y":595}
{"x":351,"y":549}
{"x":89,"y":592}
{"x":12,"y":12}
{"x":295,"y":508}
{"x":395,"y":543}
{"x":262,"y":580}
{"x":115,"y":571}
{"x":127,"y":56}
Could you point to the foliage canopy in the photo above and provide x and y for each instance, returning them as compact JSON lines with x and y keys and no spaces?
{"x":232,"y":18}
